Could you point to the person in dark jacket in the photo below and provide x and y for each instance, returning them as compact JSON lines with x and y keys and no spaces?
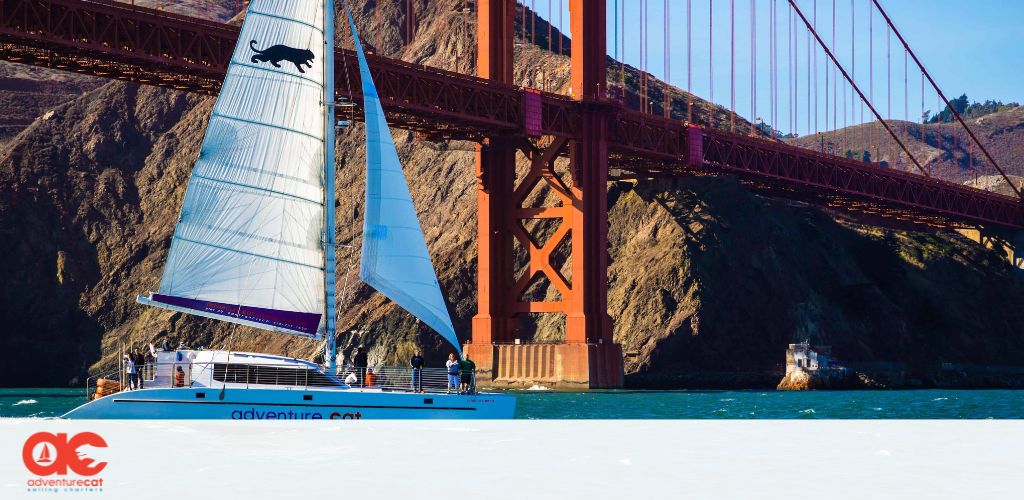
{"x":140,"y":366}
{"x":417,"y":371}
{"x":360,"y":362}
{"x":467,"y":369}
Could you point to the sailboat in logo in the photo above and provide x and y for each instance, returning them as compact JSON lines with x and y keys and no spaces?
{"x":44,"y":455}
{"x":255,"y":241}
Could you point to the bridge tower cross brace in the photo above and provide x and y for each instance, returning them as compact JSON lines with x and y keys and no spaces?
{"x":588,"y":358}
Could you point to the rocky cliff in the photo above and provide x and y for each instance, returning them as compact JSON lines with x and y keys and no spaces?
{"x":708,"y":282}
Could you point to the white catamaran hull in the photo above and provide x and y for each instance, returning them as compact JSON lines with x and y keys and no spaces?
{"x":292,"y":404}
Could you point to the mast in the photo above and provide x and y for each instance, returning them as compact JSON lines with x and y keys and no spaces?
{"x":330,"y":281}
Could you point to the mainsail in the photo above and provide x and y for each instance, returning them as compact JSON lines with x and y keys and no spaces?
{"x":395,"y":260}
{"x":249,"y":244}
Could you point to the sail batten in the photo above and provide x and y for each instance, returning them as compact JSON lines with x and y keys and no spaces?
{"x":249,"y":244}
{"x":395,"y":260}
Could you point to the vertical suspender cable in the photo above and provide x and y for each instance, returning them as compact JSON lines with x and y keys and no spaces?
{"x":551,"y":33}
{"x":644,"y":28}
{"x":689,"y":64}
{"x":906,"y":99}
{"x":871,"y":70}
{"x":622,"y":56}
{"x":772,"y":105}
{"x":561,"y":27}
{"x":732,"y":65}
{"x":835,"y":81}
{"x":825,"y":102}
{"x":533,"y":22}
{"x":888,"y":86}
{"x":711,"y":64}
{"x":924,"y":118}
{"x":523,"y":19}
{"x":668,"y":63}
{"x":814,"y":62}
{"x":753,"y":66}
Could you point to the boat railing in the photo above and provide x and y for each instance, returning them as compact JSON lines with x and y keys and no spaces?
{"x":98,"y":386}
{"x":406,"y":378}
{"x":189,"y":373}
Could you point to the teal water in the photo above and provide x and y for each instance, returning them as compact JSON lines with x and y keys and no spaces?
{"x":955,"y":404}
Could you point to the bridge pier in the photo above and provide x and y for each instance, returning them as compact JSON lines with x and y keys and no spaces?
{"x":588,"y":357}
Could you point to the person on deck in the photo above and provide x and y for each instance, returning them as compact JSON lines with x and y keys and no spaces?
{"x":453,"y":373}
{"x":129,"y":370}
{"x":467,"y":368}
{"x":417,"y":371}
{"x":140,"y":368}
{"x":360,"y":361}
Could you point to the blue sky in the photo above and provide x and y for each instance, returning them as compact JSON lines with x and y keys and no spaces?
{"x":974,"y":47}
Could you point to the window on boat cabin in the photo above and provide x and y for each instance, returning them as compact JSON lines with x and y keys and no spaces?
{"x":268,"y":375}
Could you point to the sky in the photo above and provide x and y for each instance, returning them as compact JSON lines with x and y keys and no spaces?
{"x":974,"y":47}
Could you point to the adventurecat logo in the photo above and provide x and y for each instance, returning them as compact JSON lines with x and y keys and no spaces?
{"x":46,"y":454}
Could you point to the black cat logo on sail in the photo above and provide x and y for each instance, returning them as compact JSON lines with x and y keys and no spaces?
{"x":279,"y":53}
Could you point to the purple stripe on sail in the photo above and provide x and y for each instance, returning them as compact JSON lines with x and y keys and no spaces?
{"x":292,"y":320}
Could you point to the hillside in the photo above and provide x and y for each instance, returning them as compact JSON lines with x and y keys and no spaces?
{"x":707,"y":281}
{"x":1002,"y":133}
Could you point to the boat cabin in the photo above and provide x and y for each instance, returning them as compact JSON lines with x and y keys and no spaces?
{"x":198,"y":368}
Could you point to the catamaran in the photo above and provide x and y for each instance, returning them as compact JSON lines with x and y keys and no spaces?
{"x":255,"y":245}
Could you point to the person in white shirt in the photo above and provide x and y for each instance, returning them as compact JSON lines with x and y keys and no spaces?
{"x":453,"y":373}
{"x":129,"y":369}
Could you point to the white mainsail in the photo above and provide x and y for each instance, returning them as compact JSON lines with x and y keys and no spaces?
{"x":249,"y":244}
{"x":395,"y":260}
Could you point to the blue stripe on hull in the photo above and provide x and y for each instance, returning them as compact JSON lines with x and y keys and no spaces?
{"x":288,"y":404}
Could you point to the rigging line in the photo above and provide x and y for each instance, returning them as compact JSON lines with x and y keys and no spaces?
{"x":814,"y":63}
{"x":550,"y":32}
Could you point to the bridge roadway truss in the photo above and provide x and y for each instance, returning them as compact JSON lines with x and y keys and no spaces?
{"x":597,"y":134}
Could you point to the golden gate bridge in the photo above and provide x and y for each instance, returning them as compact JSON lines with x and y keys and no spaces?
{"x":612,"y":118}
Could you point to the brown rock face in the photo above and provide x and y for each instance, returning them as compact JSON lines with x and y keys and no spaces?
{"x":708,"y":283}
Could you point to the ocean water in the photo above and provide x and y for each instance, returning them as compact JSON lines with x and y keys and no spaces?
{"x":945,"y":404}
